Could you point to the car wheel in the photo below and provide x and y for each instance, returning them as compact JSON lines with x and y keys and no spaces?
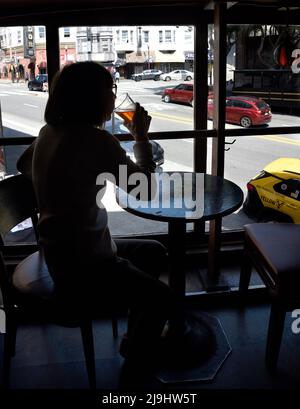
{"x":168,"y":79}
{"x":137,"y":79}
{"x":271,"y":215}
{"x":30,"y":88}
{"x":156,"y":78}
{"x":253,"y":206}
{"x":245,"y":122}
{"x":188,"y":78}
{"x":167,"y":98}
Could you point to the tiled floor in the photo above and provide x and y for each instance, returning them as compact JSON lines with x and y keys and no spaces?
{"x":49,"y":360}
{"x":52,"y":356}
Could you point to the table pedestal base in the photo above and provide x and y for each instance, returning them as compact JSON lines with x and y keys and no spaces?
{"x":198,"y":355}
{"x":210,"y":285}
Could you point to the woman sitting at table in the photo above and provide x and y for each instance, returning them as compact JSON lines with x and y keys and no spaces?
{"x":70,"y":152}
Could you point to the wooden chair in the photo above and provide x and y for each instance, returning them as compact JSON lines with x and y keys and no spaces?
{"x":274,"y":250}
{"x":28,"y":290}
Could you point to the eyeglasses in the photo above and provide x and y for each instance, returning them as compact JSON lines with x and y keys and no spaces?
{"x":114,"y":89}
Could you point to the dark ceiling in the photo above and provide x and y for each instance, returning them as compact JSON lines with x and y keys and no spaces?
{"x":39,"y":5}
{"x":13,"y":8}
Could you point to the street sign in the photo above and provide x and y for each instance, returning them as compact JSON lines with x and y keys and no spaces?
{"x":29,"y":43}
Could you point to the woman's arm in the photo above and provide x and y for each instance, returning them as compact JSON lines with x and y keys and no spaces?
{"x":24,"y":163}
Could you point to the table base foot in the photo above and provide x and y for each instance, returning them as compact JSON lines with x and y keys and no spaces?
{"x":198,"y":355}
{"x":209,"y":285}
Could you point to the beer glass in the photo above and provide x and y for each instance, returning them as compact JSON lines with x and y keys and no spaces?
{"x":126,"y":109}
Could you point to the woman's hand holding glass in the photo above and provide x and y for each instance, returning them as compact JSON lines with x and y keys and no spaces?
{"x":140,"y":124}
{"x":136,"y":118}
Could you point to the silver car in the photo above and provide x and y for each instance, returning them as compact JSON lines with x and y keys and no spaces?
{"x":181,"y":75}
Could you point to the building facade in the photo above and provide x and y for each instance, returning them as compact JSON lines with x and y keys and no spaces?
{"x":162,"y":47}
{"x":129,"y":49}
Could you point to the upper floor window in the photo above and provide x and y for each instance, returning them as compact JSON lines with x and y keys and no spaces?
{"x":187,"y":36}
{"x":146,"y":36}
{"x":168,"y":36}
{"x":118,"y":36}
{"x":42,"y":32}
{"x":67,"y":32}
{"x":160,"y":36}
{"x":105,"y":45}
{"x":19,"y":37}
{"x":124,"y":36}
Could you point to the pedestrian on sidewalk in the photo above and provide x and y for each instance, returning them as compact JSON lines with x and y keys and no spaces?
{"x":21,"y":71}
{"x":12,"y":71}
{"x":117,"y":76}
{"x":31,"y":67}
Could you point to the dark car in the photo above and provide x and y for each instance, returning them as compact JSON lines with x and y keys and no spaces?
{"x":243,"y":110}
{"x":37,"y":83}
{"x":147,"y":75}
{"x":180,"y":93}
{"x":157,"y":150}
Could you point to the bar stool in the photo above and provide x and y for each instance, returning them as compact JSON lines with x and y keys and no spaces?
{"x":274,"y":250}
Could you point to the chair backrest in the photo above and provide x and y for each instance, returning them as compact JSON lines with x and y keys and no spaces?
{"x":17,"y":202}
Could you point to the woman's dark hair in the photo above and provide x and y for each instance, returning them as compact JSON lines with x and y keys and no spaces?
{"x":78,"y":95}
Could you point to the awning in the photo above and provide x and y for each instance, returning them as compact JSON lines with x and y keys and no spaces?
{"x":140,"y":57}
{"x":176,"y":56}
{"x":155,"y":57}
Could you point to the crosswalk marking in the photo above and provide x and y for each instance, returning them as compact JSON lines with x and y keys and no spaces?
{"x":123,"y":90}
{"x":158,"y":107}
{"x":16,"y":93}
{"x":31,"y":106}
{"x":8,"y":93}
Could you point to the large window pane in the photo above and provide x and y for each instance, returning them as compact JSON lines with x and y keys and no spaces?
{"x":141,"y":54}
{"x":264,"y":65}
{"x":23,"y":71}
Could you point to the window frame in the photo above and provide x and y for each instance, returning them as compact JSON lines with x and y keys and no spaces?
{"x":193,"y":16}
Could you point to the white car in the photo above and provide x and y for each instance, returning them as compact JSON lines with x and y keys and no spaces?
{"x":181,"y":75}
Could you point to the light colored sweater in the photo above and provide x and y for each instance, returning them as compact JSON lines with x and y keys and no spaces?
{"x":65,"y":166}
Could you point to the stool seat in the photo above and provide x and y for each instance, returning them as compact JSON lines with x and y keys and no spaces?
{"x":29,"y":292}
{"x":278,"y":244}
{"x":31,"y":277}
{"x":274,"y":250}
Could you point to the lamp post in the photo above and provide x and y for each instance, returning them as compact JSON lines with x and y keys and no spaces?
{"x":139,"y":41}
{"x":89,"y":43}
{"x":66,"y":54}
{"x":148,"y":56}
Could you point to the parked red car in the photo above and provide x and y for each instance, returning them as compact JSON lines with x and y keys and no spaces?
{"x":244,"y":111}
{"x":180,"y":93}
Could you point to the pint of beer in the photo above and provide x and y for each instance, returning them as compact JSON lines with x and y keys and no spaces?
{"x":126,"y":109}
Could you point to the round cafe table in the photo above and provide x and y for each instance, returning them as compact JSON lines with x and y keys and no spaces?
{"x":183,"y":197}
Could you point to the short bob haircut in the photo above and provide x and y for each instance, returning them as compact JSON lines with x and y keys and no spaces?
{"x":78,"y":95}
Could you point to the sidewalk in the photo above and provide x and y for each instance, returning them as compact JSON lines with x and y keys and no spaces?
{"x":21,"y":86}
{"x":9,"y":81}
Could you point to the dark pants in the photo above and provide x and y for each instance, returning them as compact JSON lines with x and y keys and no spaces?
{"x":150,"y":301}
{"x":131,"y":280}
